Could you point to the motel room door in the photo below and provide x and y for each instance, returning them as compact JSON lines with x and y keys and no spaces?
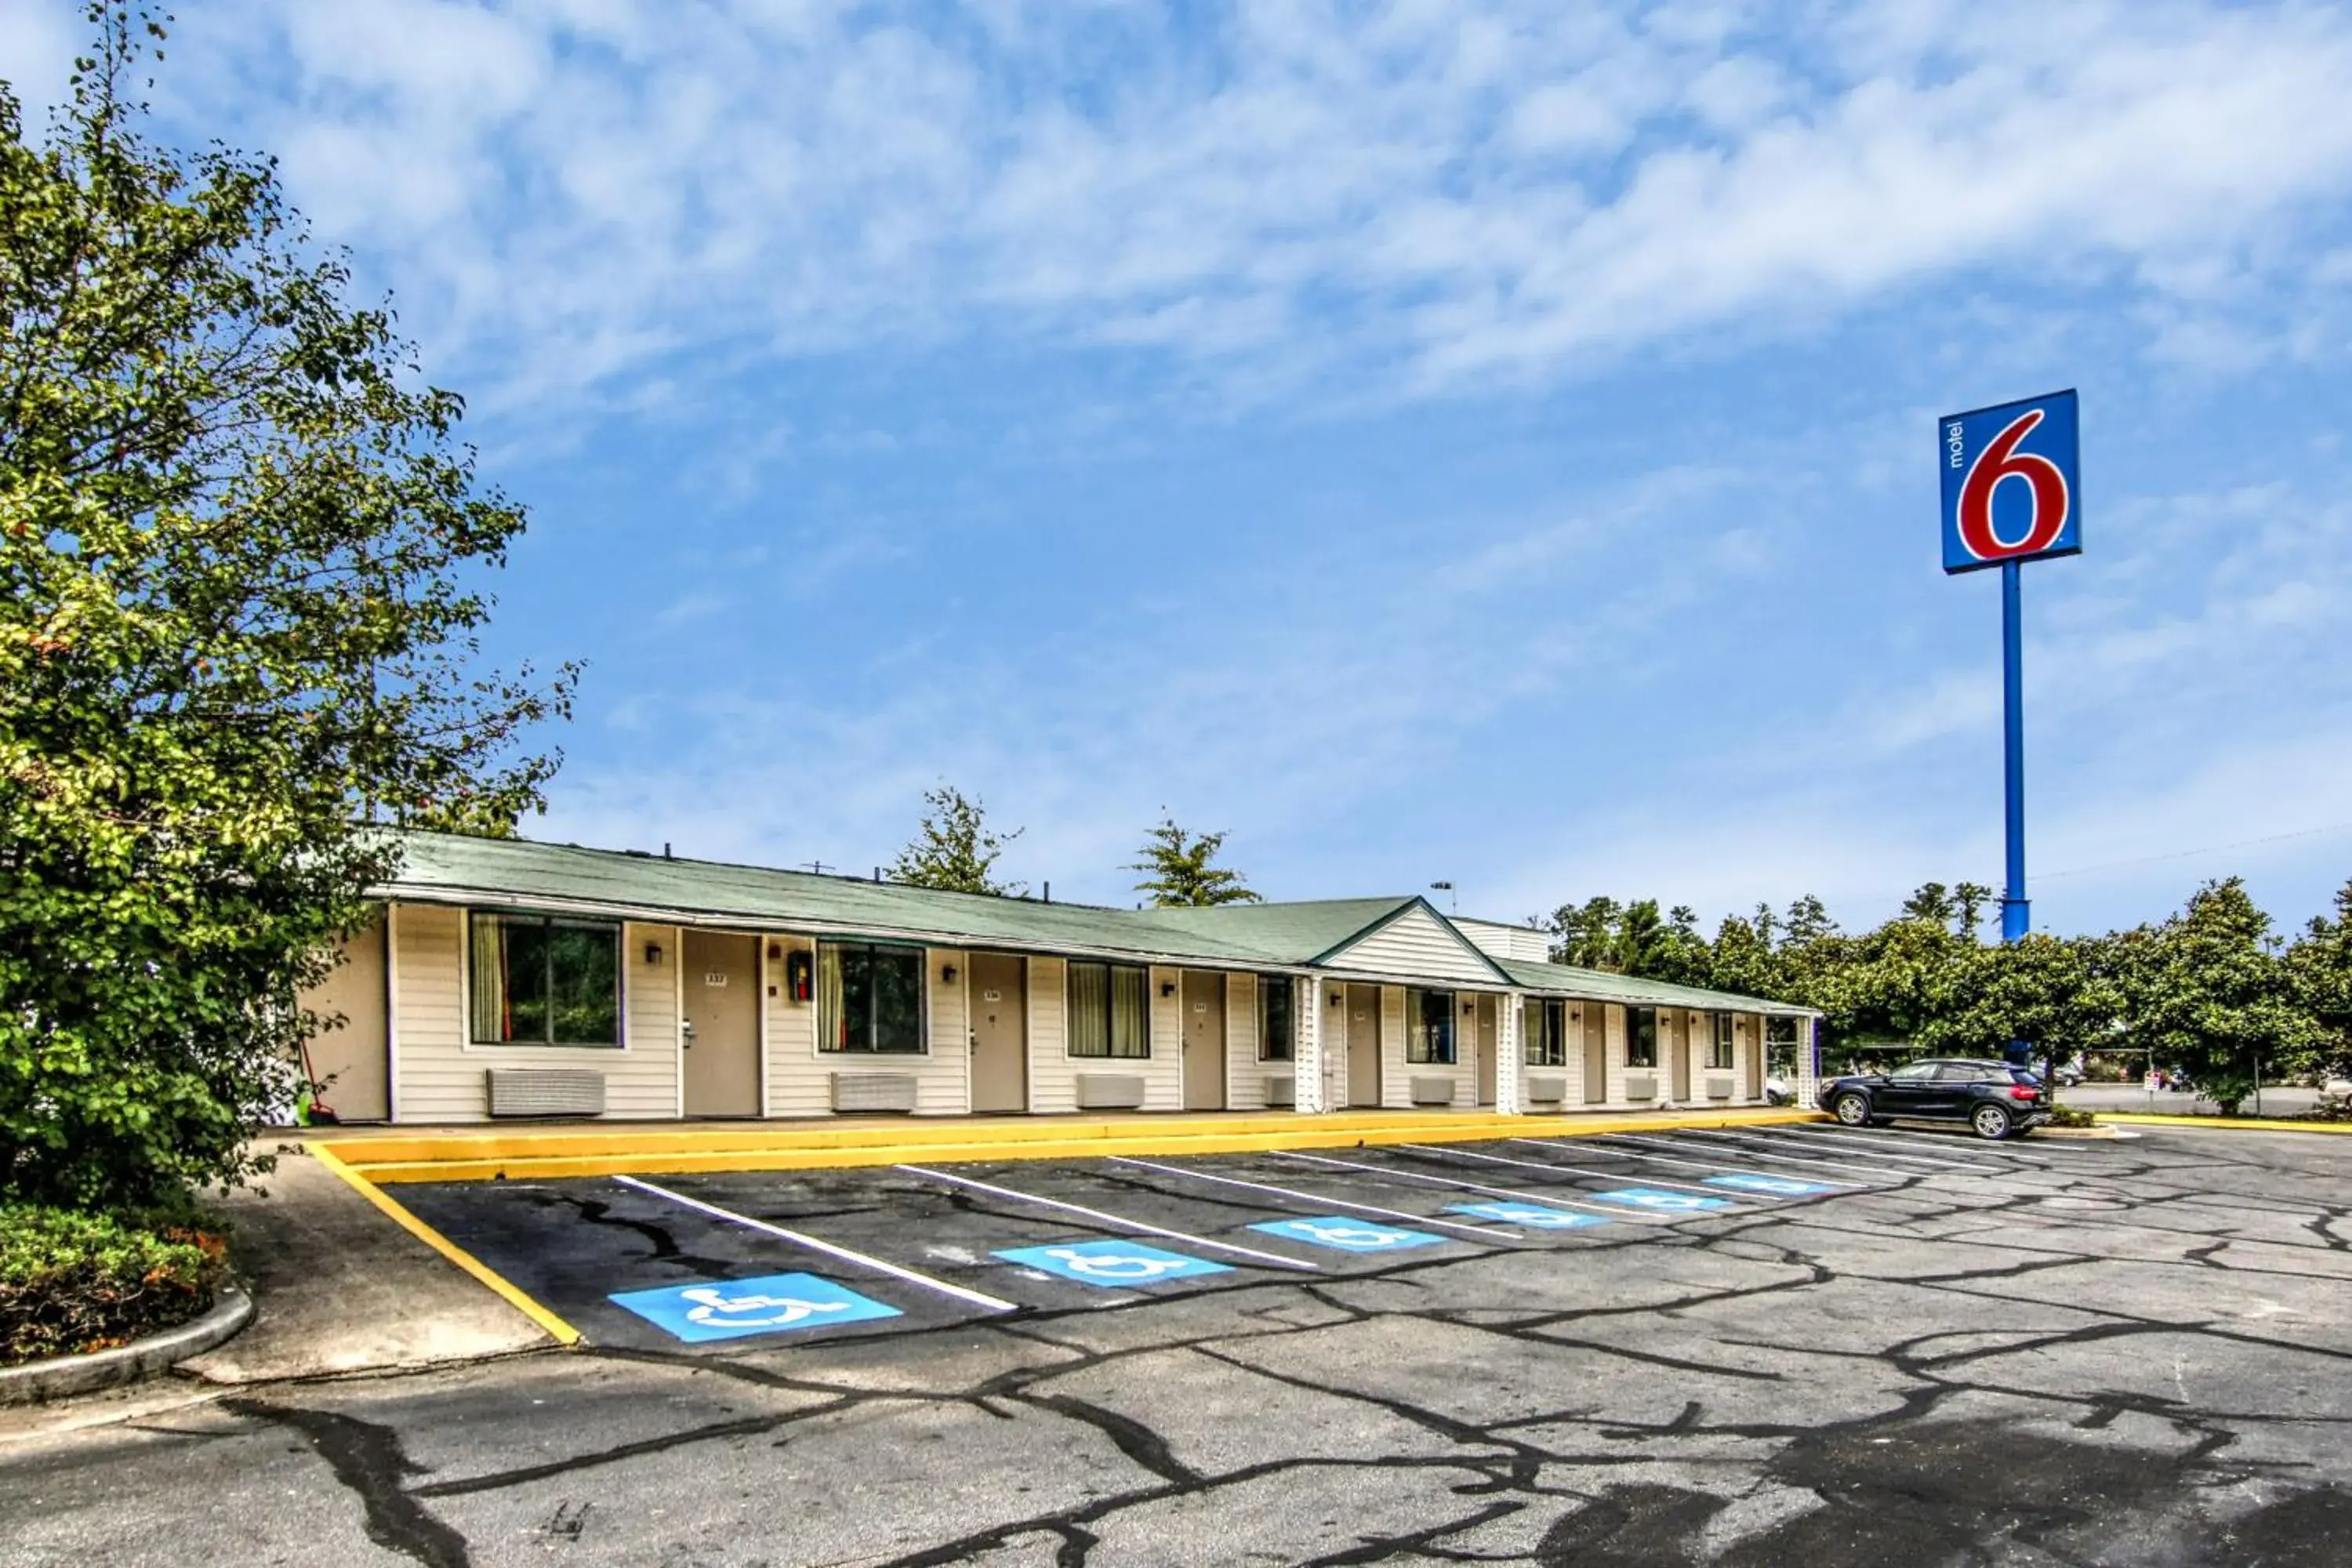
{"x":1487,"y":1038}
{"x":1204,"y":1041}
{"x":1674,"y":1040}
{"x":1362,"y":1014}
{"x":722,"y":1023}
{"x":1000,"y":1032}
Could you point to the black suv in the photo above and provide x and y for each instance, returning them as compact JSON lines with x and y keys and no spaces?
{"x":1997,"y":1099}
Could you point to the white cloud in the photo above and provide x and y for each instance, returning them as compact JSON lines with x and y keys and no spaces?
{"x":565,"y":192}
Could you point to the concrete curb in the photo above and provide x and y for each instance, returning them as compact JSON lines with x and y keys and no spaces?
{"x":2225,"y":1123}
{"x":41,"y":1381}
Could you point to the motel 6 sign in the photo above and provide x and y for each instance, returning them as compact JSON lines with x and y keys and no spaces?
{"x":2012,"y":483}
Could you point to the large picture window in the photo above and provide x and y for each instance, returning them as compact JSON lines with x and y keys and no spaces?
{"x":869,"y":998}
{"x":1429,"y":1015}
{"x":1110,"y":1013}
{"x":1720,"y":1054}
{"x":1640,"y":1037}
{"x":1546,"y":1023}
{"x":1780,"y":1046}
{"x":539,"y":981}
{"x":1277,"y":1025}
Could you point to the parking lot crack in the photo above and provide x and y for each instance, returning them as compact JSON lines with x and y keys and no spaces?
{"x":1142,"y":1446}
{"x":370,"y":1463}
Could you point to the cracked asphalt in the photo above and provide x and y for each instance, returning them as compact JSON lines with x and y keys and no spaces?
{"x":2070,"y":1352}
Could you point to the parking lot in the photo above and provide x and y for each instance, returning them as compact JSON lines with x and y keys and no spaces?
{"x":1758,"y":1346}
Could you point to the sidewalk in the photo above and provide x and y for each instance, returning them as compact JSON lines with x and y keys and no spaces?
{"x":338,"y":1288}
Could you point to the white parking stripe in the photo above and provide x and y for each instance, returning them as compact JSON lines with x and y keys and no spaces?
{"x":1938,"y":1162}
{"x":1617,"y":1153}
{"x":1759,"y":1154}
{"x":1317,"y":1198}
{"x":1112,"y":1219}
{"x":1613,"y":1211}
{"x":912,"y":1276}
{"x":1609,"y":1175}
{"x":1873,"y":1134}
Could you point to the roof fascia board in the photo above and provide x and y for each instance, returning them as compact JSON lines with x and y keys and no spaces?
{"x":733,"y":920}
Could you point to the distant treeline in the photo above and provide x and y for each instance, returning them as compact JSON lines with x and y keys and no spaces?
{"x":2213,"y":990}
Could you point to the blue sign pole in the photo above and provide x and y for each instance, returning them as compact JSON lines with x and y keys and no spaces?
{"x":2015,"y":911}
{"x":2012,"y":493}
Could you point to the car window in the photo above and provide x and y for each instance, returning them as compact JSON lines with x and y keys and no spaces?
{"x":1961,"y":1072}
{"x":1918,"y":1072}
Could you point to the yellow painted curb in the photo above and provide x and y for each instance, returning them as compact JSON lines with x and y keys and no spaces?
{"x":470,"y":1158}
{"x":563,"y":1333}
{"x":2237,"y":1123}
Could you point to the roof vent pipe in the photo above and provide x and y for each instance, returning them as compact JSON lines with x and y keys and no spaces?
{"x":665,"y":855}
{"x":877,"y":873}
{"x":1049,"y":892}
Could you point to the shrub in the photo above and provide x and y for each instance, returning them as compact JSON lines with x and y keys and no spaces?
{"x":72,"y":1282}
{"x":2070,"y":1116}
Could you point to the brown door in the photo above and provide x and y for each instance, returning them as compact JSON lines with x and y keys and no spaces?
{"x":1676,"y":1027}
{"x":1204,"y":1041}
{"x":1488,"y":1043}
{"x":1362,"y":1014}
{"x":1000,"y":1032}
{"x":722,"y":1024}
{"x":1596,"y":1053}
{"x":349,"y":1058}
{"x":1751,"y":1036}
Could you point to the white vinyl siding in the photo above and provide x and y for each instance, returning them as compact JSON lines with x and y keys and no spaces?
{"x":1416,"y":945}
{"x":800,"y":1076}
{"x":1245,"y":1076}
{"x":441,"y":1080}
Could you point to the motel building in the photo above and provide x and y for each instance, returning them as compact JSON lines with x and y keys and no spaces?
{"x":504,"y":978}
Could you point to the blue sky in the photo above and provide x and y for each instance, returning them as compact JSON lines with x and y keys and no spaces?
{"x":1489,"y":442}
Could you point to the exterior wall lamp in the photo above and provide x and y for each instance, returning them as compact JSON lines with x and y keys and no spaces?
{"x":653,"y":952}
{"x":947,"y":975}
{"x":1167,"y":988}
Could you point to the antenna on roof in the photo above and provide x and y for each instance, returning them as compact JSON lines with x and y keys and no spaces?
{"x":1452,"y":904}
{"x":819,"y":867}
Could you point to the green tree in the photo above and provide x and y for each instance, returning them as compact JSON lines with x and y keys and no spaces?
{"x":2059,"y":993}
{"x":238,"y":543}
{"x":954,"y":849}
{"x":2319,"y":974}
{"x":1585,"y":935}
{"x":1182,"y":875}
{"x":2207,"y":991}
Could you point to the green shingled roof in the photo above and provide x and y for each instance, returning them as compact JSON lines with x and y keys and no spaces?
{"x":1599,"y":985}
{"x":451,"y":868}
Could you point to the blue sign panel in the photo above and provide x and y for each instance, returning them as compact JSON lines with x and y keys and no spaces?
{"x":1534,"y":1216}
{"x":2012,"y":483}
{"x":1777,"y":1186}
{"x":1651,"y":1198}
{"x":1347,"y":1234}
{"x":1110,"y":1263}
{"x":731,"y":1309}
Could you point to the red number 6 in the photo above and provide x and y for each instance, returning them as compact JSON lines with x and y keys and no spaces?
{"x":2000,"y":460}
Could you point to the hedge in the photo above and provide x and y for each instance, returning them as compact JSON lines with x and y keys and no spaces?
{"x":71,"y":1282}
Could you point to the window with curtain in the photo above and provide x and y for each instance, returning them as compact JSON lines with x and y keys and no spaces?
{"x":1640,"y":1037}
{"x":869,"y":998}
{"x":1110,"y":1010}
{"x":1429,"y":1018}
{"x":540,"y":981}
{"x":1720,"y":1054}
{"x":1277,"y":1026}
{"x":1545,"y":1024}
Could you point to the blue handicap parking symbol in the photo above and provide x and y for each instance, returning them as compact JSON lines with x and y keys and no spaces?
{"x":1110,"y":1263}
{"x":1347,"y":1234}
{"x":1651,"y":1198}
{"x":1537,"y":1216}
{"x":1779,"y":1186}
{"x":730,"y":1308}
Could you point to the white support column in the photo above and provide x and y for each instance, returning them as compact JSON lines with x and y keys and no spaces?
{"x":1807,"y":1082}
{"x":1306,"y":1072}
{"x":1510,"y":1064}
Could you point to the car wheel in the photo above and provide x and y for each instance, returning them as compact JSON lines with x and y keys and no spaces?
{"x":1991,"y":1122}
{"x":1854,"y":1110}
